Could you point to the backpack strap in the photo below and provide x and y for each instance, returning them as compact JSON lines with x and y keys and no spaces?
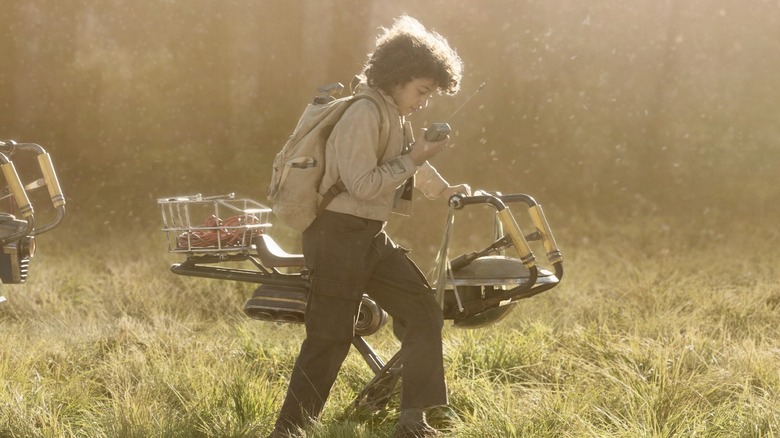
{"x":384,"y":118}
{"x":384,"y":139}
{"x":331,"y":194}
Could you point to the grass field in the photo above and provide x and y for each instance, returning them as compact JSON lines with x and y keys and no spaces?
{"x":658,"y":330}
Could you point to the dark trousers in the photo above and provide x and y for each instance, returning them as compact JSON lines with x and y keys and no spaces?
{"x":349,"y":256}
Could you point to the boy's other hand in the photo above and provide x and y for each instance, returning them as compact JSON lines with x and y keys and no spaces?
{"x":460,"y":189}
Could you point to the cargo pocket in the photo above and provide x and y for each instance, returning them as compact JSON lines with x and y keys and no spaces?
{"x":331,"y":310}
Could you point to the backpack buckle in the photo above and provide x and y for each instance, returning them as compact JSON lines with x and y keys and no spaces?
{"x":327,"y":92}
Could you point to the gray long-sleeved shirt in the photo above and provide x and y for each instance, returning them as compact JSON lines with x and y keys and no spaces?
{"x":352,"y":154}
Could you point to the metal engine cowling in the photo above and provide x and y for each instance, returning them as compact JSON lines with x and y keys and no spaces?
{"x":484,"y":278}
{"x":288,"y":304}
{"x":277,"y":303}
{"x":370,"y":317}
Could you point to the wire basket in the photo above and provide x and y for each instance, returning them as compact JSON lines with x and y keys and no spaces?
{"x":215,"y":224}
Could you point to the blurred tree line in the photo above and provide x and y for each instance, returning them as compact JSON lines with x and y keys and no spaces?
{"x":633,"y":108}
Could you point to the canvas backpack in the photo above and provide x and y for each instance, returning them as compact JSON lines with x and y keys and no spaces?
{"x":299,"y":167}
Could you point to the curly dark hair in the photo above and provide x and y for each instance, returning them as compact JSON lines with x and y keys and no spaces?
{"x":408,"y":51}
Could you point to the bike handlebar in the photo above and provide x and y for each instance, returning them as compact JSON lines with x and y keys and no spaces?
{"x":9,"y":148}
{"x":497,"y":200}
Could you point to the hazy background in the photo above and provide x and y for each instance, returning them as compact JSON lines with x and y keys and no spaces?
{"x":612,"y":110}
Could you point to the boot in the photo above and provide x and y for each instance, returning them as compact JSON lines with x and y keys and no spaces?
{"x":280,"y":432}
{"x":412,"y":424}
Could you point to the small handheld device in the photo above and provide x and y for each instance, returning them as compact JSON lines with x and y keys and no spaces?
{"x":437,"y":131}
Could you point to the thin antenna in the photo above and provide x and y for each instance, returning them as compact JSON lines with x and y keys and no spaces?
{"x":467,"y":100}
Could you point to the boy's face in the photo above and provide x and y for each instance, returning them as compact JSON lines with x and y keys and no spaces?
{"x":413,"y":95}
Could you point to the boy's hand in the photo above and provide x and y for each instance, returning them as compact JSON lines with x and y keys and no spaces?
{"x":460,"y":189}
{"x":423,"y":150}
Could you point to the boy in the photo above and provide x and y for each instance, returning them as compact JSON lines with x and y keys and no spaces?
{"x":346,"y":249}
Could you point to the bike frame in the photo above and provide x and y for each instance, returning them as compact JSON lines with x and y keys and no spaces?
{"x":272,"y":266}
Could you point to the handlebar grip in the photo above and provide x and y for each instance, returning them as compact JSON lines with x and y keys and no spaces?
{"x":17,"y":189}
{"x":50,"y":177}
{"x":459,"y":201}
{"x":499,"y":201}
{"x":540,"y":221}
{"x":518,"y":240}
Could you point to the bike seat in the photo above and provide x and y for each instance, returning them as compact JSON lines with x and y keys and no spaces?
{"x":273,"y":256}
